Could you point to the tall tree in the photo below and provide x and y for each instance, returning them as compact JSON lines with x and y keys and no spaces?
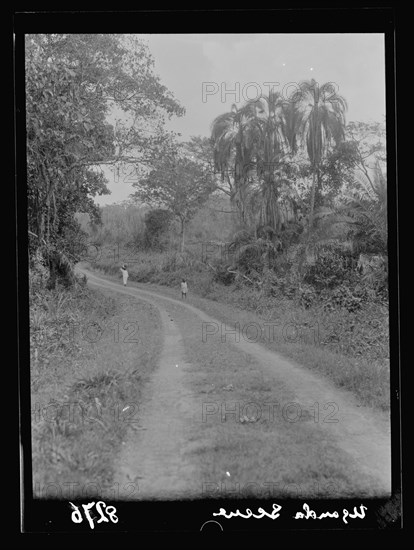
{"x":273,"y":127}
{"x":73,"y":83}
{"x":178,"y":184}
{"x":322,"y":123}
{"x":254,"y":143}
{"x":233,"y":150}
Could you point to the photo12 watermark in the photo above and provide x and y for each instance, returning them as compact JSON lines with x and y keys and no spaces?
{"x":254,"y":332}
{"x":251,"y":412}
{"x":235,"y":92}
{"x":119,"y":332}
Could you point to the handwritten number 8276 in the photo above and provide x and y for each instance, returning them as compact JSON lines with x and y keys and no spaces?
{"x":110,"y":511}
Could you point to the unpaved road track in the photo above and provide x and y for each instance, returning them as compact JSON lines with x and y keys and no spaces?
{"x":156,"y":456}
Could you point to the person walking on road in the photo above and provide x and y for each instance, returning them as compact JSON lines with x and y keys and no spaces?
{"x":184,"y":289}
{"x":124,"y":274}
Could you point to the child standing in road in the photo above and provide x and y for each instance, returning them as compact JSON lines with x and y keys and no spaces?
{"x":124,"y":274}
{"x":184,"y":289}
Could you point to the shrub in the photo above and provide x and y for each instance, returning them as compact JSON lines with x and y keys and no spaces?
{"x":270,"y":283}
{"x":242,"y":237}
{"x":250,"y":259}
{"x":307,"y":296}
{"x":342,"y":297}
{"x":38,"y":272}
{"x":248,"y":298}
{"x":332,"y":268}
{"x":144,"y":274}
{"x":286,"y":285}
{"x":362,"y":333}
{"x":221,"y":275}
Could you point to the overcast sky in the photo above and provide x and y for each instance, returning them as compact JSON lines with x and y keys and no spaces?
{"x":216,"y":64}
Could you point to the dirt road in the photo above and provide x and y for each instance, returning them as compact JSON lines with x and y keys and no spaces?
{"x":159,"y":455}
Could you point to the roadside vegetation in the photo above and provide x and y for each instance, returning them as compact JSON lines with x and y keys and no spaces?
{"x":91,"y":356}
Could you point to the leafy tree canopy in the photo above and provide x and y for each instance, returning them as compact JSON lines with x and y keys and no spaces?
{"x":74,"y":84}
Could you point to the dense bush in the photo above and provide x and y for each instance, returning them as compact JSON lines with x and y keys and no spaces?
{"x":361,"y":333}
{"x":249,"y":259}
{"x":342,"y":297}
{"x":270,"y":283}
{"x":332,"y":268}
{"x":222,"y":275}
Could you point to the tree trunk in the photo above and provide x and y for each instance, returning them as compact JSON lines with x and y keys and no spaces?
{"x":269,"y":212}
{"x":312,"y":204}
{"x":182,"y":234}
{"x":240,"y":187}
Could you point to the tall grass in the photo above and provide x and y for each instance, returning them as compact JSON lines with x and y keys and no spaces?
{"x":84,"y":384}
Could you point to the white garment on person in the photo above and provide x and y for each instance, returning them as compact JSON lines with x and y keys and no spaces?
{"x":124,"y":275}
{"x":184,"y":288}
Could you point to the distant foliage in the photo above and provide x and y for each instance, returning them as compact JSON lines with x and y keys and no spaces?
{"x":176,"y":183}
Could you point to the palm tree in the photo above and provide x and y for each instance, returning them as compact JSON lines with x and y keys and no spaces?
{"x":260,"y":135}
{"x":274,"y":125}
{"x":367,"y":206}
{"x":322,"y":121}
{"x":232,"y":153}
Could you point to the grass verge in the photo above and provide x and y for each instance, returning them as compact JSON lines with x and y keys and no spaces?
{"x":91,"y":357}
